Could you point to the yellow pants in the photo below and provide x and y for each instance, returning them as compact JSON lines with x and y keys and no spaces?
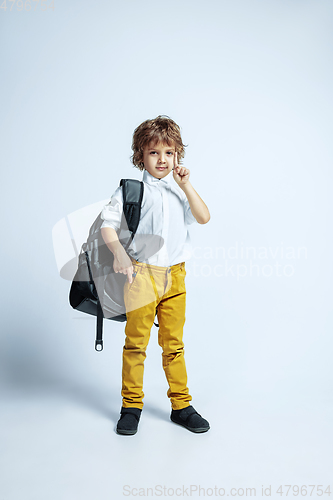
{"x":162,"y":289}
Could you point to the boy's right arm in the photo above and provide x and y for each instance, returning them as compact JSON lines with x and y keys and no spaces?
{"x":122,"y":263}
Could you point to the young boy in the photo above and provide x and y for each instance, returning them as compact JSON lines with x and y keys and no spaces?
{"x":156,"y":269}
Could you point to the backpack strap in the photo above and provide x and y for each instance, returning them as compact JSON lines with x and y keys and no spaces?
{"x":99,"y":320}
{"x":156,"y":324}
{"x":99,"y":328}
{"x":132,"y":201}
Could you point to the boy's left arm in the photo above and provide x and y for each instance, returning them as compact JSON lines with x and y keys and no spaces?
{"x":198,"y":207}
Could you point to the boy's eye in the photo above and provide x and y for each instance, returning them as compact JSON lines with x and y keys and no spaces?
{"x":169,"y":152}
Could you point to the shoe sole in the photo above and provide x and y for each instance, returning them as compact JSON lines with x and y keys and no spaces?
{"x":197,"y":430}
{"x":124,"y":432}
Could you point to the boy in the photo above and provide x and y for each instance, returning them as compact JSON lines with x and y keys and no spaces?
{"x":156,"y":269}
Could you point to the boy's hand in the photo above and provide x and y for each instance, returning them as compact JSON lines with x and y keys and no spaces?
{"x":180,"y":174}
{"x":123,"y":264}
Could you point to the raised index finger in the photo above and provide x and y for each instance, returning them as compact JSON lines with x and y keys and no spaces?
{"x":175,"y":160}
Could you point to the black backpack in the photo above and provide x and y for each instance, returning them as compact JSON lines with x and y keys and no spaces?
{"x":96,"y":289}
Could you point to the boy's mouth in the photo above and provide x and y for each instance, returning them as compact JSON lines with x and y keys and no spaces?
{"x":161,"y":168}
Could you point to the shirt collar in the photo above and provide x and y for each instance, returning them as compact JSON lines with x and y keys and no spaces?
{"x":150,"y":179}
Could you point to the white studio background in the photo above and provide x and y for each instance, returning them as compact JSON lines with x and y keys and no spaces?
{"x":250,"y":84}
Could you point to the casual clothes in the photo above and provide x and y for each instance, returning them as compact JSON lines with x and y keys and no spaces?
{"x":165,"y":214}
{"x":162,"y":289}
{"x":158,"y":286}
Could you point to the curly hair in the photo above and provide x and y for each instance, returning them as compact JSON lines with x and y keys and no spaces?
{"x":160,"y":129}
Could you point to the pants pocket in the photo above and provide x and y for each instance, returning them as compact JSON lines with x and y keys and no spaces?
{"x":128,"y":285}
{"x":181,"y":279}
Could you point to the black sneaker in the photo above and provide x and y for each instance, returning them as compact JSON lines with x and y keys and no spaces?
{"x":129,"y":420}
{"x":189,"y":418}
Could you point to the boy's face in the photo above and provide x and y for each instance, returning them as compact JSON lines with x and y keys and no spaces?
{"x":158,"y":160}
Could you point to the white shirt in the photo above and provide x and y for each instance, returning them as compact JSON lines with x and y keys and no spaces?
{"x":165,"y":213}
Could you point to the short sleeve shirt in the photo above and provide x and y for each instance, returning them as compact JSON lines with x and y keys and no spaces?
{"x":162,"y":236}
